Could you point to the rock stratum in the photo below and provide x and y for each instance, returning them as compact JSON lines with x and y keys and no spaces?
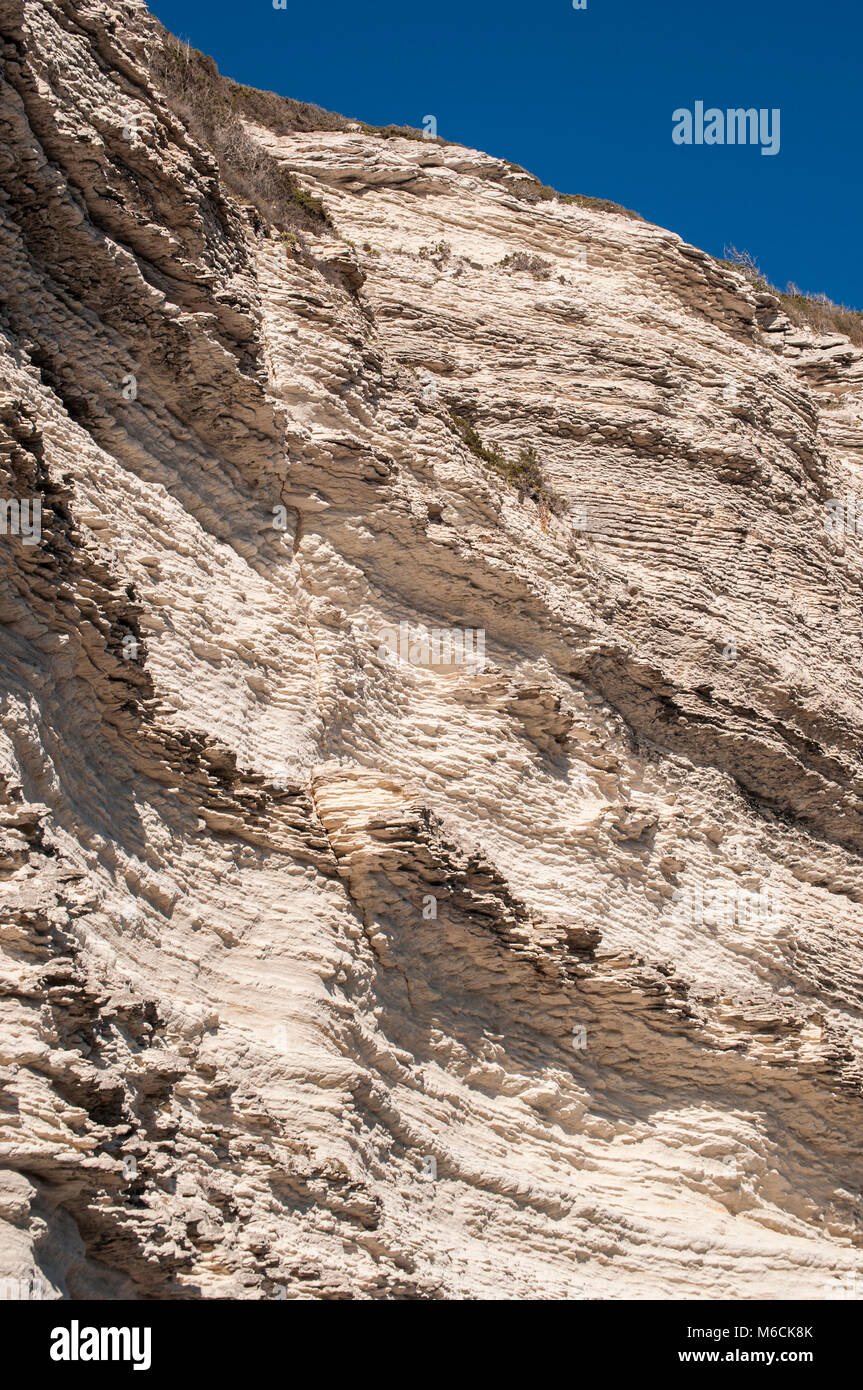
{"x":330,"y":974}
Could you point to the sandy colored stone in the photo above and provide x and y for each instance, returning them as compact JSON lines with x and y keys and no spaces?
{"x":285,"y":918}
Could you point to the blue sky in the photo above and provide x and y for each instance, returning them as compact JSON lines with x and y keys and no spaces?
{"x":584,"y":100}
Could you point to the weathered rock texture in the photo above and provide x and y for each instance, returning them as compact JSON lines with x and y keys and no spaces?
{"x":232,"y":1032}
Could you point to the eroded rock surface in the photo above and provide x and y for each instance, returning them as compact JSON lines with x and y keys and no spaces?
{"x":290,"y":924}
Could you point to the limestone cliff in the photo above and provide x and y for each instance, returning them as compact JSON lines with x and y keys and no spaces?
{"x":330,"y":971}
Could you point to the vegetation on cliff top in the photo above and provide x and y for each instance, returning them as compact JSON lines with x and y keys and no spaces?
{"x":213,"y":107}
{"x":810,"y":310}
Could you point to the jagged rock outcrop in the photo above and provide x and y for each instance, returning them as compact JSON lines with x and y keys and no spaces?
{"x":331,"y":974}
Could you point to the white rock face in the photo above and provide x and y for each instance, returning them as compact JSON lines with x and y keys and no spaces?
{"x":331,"y":972}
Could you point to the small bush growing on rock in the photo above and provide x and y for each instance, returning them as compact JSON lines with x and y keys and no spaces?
{"x":747,"y":265}
{"x":534,"y":265}
{"x":440,"y":252}
{"x":524,"y":472}
{"x":488,"y":453}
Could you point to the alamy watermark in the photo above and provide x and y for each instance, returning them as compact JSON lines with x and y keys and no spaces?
{"x":29,"y":1290}
{"x":21,"y":517}
{"x":844,"y":516}
{"x":77,"y":1343}
{"x":732,"y":127}
{"x":441,"y":647}
{"x":726,"y":905}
